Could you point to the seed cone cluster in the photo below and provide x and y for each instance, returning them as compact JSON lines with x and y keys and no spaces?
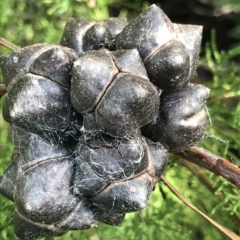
{"x":94,"y":118}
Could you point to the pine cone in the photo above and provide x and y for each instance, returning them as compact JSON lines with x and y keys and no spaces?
{"x":93,"y":120}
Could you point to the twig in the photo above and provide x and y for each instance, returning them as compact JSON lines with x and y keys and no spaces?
{"x":214,"y":163}
{"x":7,"y":44}
{"x":231,"y":235}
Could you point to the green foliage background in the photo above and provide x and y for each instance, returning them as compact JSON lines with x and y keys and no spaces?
{"x":28,"y":22}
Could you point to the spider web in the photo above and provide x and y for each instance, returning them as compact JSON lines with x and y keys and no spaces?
{"x":48,"y":163}
{"x":50,"y":168}
{"x":33,"y":150}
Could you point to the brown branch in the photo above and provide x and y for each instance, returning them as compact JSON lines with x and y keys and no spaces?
{"x":214,"y":163}
{"x":7,"y":44}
